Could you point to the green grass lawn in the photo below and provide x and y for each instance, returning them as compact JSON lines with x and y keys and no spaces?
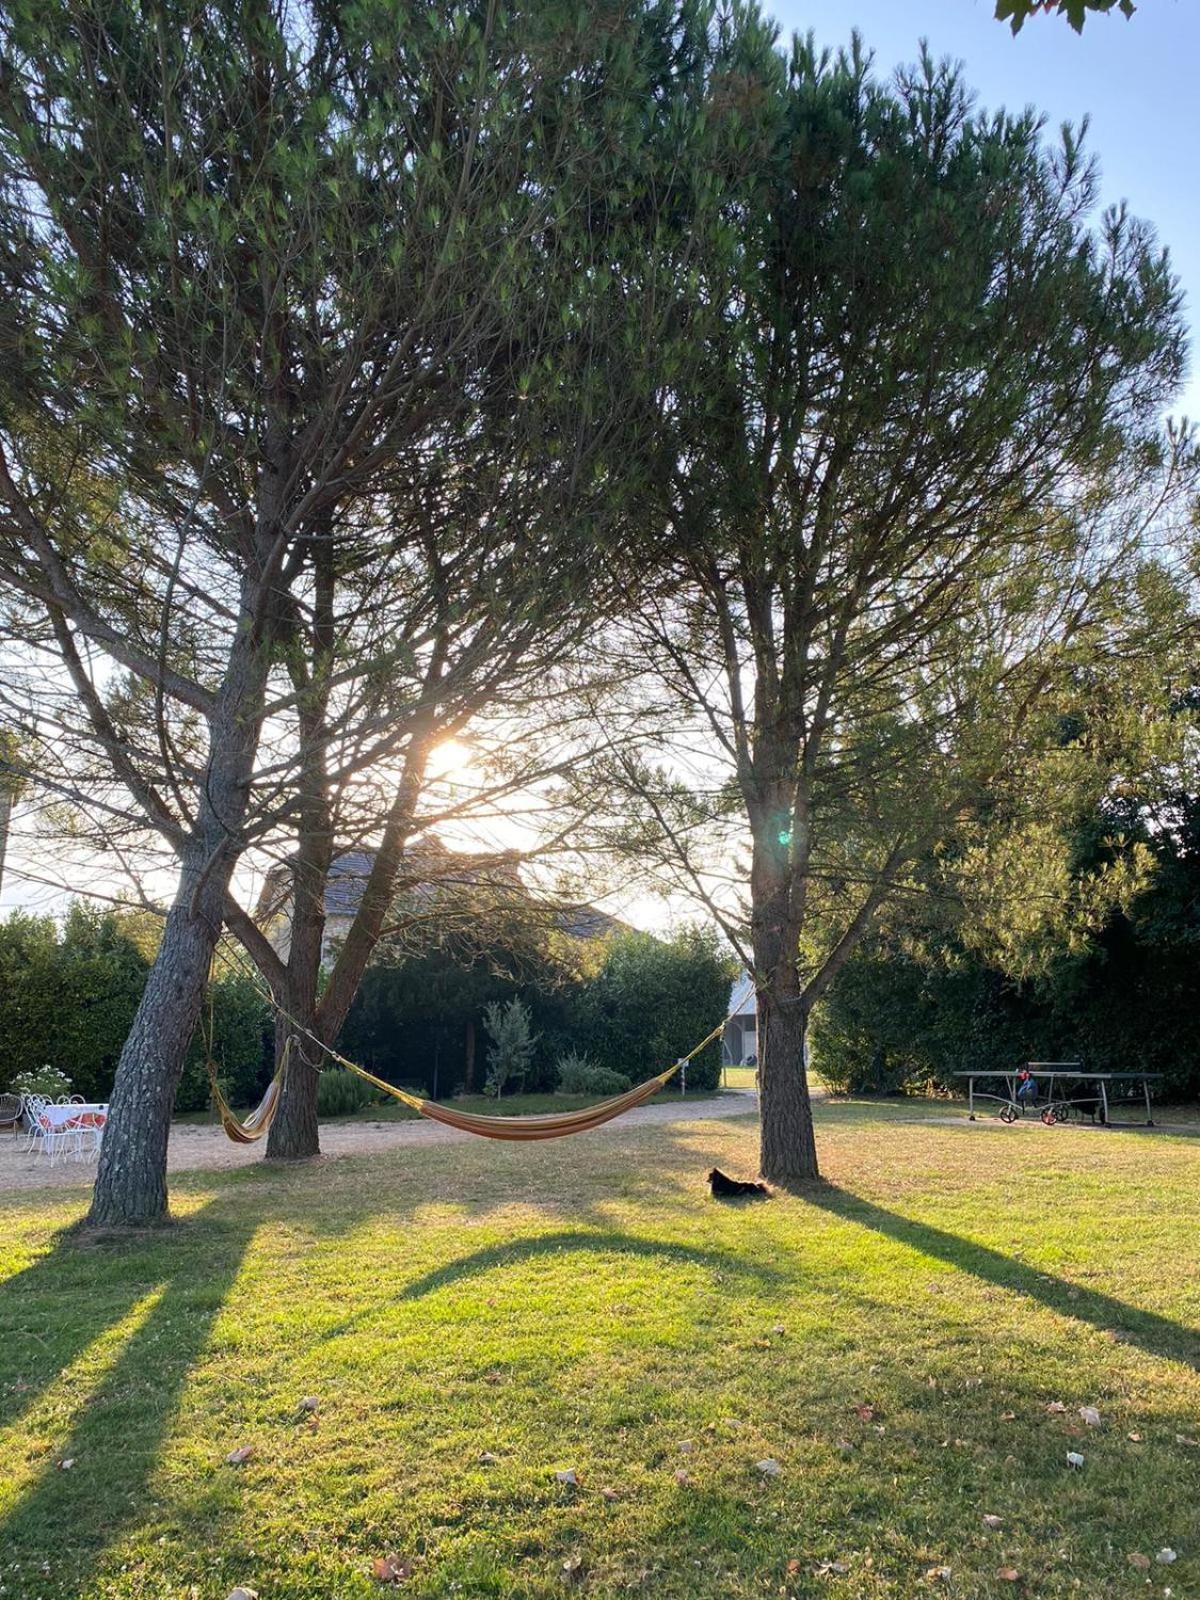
{"x":893,"y":1340}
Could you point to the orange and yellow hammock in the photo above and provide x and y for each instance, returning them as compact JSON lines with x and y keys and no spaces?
{"x":555,"y":1125}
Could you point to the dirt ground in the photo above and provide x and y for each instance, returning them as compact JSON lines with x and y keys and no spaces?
{"x":204,"y":1148}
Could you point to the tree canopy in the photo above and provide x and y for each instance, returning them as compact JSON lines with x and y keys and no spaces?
{"x":1018,"y":12}
{"x":904,"y":495}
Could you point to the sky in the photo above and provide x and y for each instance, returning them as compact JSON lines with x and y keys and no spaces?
{"x":1137,"y":79}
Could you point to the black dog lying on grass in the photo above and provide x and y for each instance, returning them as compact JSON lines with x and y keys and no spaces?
{"x":726,"y":1188}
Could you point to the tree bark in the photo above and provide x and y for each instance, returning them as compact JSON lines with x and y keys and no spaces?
{"x":295,"y":1134}
{"x":131,"y":1183}
{"x":788,"y":1149}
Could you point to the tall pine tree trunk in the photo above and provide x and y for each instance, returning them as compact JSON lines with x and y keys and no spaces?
{"x":787,"y":1145}
{"x":295,"y":1135}
{"x":131,"y":1183}
{"x":788,"y":1151}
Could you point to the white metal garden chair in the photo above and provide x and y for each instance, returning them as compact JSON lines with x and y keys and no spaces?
{"x":48,"y":1138}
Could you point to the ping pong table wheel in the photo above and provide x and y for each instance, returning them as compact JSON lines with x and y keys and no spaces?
{"x":1009,"y":1113}
{"x":1049,"y":1117}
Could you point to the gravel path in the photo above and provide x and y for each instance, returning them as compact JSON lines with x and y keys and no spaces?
{"x":202,"y":1147}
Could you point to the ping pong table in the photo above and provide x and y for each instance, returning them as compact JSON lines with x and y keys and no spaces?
{"x":1071,"y":1091}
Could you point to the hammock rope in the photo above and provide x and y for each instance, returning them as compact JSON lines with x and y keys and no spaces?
{"x":554,"y":1125}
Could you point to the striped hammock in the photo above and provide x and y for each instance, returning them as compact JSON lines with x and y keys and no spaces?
{"x":555,"y":1125}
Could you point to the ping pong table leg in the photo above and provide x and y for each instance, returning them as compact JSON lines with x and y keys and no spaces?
{"x":971,"y":1099}
{"x":1149,"y":1108}
{"x":1104,"y":1102}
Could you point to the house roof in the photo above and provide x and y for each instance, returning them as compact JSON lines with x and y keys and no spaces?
{"x":743,"y":1002}
{"x":439,"y":867}
{"x":346,"y":882}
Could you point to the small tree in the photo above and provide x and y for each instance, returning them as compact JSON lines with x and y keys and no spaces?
{"x":510,"y":1053}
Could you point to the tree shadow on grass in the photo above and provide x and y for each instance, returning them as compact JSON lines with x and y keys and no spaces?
{"x":118,"y":1428}
{"x":1156,"y":1335}
{"x":514,"y":1252}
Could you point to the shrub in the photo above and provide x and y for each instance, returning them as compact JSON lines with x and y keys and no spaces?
{"x":579,"y":1074}
{"x":47,"y":1081}
{"x":341,"y":1094}
{"x":510,"y":1053}
{"x":68,"y":994}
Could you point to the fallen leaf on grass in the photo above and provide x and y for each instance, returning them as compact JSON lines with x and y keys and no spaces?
{"x":1090,"y":1415}
{"x":1135,"y":1438}
{"x":844,"y":1445}
{"x":571,"y":1570}
{"x":681,"y":1476}
{"x":779,"y":1329}
{"x":944,"y":1573}
{"x":1182,"y":1438}
{"x":1138,"y":1560}
{"x":1074,"y":1459}
{"x":569,"y":1476}
{"x":391,"y":1569}
{"x":687,"y":1446}
{"x":609,"y":1494}
{"x":864,"y":1413}
{"x":829,"y":1569}
{"x":310,"y":1403}
{"x":991,"y":1520}
{"x":1166,"y":1556}
{"x":769,"y":1468}
{"x":241,"y":1593}
{"x":240,"y":1456}
{"x":1056,"y":1408}
{"x":487,"y":1459}
{"x":795,"y":1565}
{"x":1008,"y":1574}
{"x":66,"y":1464}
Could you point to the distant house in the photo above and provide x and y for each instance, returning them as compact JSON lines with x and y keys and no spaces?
{"x":739,"y":1043}
{"x":432,"y":872}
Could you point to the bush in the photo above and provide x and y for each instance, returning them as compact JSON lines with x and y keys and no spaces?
{"x":341,"y":1094}
{"x":242,"y":1046}
{"x":47,"y":1081}
{"x":651,"y":1002}
{"x":68,"y":994}
{"x":579,"y":1074}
